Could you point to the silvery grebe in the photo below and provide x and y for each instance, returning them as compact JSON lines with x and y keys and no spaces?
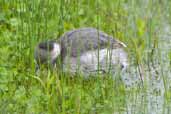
{"x":87,"y":50}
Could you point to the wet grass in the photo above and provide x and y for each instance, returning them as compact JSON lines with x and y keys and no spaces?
{"x":23,"y":24}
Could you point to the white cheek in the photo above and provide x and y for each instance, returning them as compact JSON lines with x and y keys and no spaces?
{"x":55,"y":52}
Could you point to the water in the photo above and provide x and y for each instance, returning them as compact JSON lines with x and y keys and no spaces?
{"x":152,"y":100}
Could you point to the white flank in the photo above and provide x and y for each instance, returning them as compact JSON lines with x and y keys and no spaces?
{"x":88,"y":61}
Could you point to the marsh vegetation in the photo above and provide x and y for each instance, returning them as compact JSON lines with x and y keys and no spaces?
{"x":144,"y":26}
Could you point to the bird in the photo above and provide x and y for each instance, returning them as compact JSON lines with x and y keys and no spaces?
{"x":46,"y":53}
{"x":85,"y":50}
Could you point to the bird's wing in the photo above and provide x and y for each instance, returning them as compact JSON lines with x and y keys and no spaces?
{"x":79,"y":41}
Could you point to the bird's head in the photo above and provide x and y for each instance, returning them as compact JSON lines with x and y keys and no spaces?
{"x":47,"y":52}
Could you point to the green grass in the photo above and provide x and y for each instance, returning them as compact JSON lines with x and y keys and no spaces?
{"x":23,"y":24}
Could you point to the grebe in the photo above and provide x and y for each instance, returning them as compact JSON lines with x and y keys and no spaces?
{"x":86,"y":50}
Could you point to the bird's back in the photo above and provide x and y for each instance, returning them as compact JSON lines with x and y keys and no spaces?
{"x":79,"y":41}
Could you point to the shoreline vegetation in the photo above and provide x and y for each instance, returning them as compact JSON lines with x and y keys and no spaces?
{"x":144,"y":26}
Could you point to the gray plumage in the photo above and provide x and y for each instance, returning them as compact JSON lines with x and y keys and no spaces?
{"x":80,"y":48}
{"x":78,"y":41}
